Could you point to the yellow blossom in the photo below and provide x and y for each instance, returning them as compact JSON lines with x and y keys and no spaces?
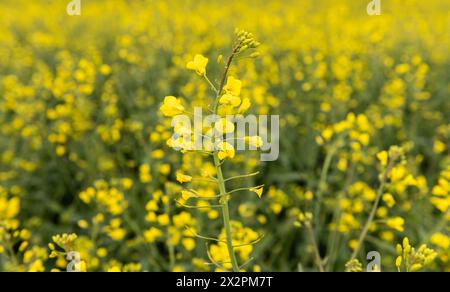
{"x":152,"y":234}
{"x":383,"y":157}
{"x":245,"y":106}
{"x":396,"y":223}
{"x":258,"y":191}
{"x":172,"y":106}
{"x":224,"y":126}
{"x":198,"y":65}
{"x":228,"y":99}
{"x":254,"y":141}
{"x":233,"y":86}
{"x":182,"y":178}
{"x":226,"y":150}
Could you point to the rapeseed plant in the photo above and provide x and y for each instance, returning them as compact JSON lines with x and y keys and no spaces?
{"x":226,"y":100}
{"x":83,"y":141}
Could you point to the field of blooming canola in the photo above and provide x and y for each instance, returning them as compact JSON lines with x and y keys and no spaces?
{"x":92,"y":179}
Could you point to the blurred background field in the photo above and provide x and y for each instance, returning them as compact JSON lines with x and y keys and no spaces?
{"x":80,"y":119}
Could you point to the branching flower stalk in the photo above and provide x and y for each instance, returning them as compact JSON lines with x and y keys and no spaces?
{"x":226,"y":95}
{"x":305,"y":220}
{"x":388,"y":161}
{"x":318,"y":258}
{"x":220,"y":179}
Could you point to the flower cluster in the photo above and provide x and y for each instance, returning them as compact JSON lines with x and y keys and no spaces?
{"x":108,"y":197}
{"x":227,"y":100}
{"x":86,"y":118}
{"x":413,"y":260}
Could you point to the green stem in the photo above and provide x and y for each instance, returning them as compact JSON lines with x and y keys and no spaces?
{"x":224,"y":78}
{"x":242,"y":176}
{"x":220,"y":179}
{"x":366,"y":228}
{"x":10,"y":250}
{"x":312,"y":239}
{"x":332,"y":245}
{"x":213,"y":87}
{"x":170,"y":246}
{"x":322,"y":185}
{"x":12,"y":254}
{"x":226,"y":214}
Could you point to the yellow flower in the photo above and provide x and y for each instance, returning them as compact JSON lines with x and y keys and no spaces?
{"x":182,"y":178}
{"x":441,"y":240}
{"x":387,"y":236}
{"x":9,"y":208}
{"x":127,"y":183}
{"x":116,"y":234}
{"x":353,"y":244}
{"x":383,"y":157}
{"x":327,"y":134}
{"x":389,"y":200}
{"x":398,"y":262}
{"x":105,"y":69}
{"x":396,"y":223}
{"x":152,"y":234}
{"x":144,"y":173}
{"x":172,"y":106}
{"x":178,"y":269}
{"x":213,"y":214}
{"x":245,"y":106}
{"x":224,"y":126}
{"x":23,"y":246}
{"x":443,"y":204}
{"x":114,"y":269}
{"x":60,"y":150}
{"x":186,"y":195}
{"x":353,"y":266}
{"x":233,"y":86}
{"x":439,"y":191}
{"x":163,"y":219}
{"x":229,"y":99}
{"x":83,"y":224}
{"x":414,"y":258}
{"x":439,"y":147}
{"x":254,"y":141}
{"x":258,"y":191}
{"x":188,"y":243}
{"x":226,"y":150}
{"x":198,"y":65}
{"x":102,"y":252}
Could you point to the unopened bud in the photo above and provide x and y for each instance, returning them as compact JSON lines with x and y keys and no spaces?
{"x":256,"y":44}
{"x":243,"y":49}
{"x":255,"y":55}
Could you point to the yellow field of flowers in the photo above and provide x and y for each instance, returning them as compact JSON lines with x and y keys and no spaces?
{"x":89,"y":179}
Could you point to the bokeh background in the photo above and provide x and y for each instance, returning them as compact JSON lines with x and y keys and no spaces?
{"x":80,"y":119}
